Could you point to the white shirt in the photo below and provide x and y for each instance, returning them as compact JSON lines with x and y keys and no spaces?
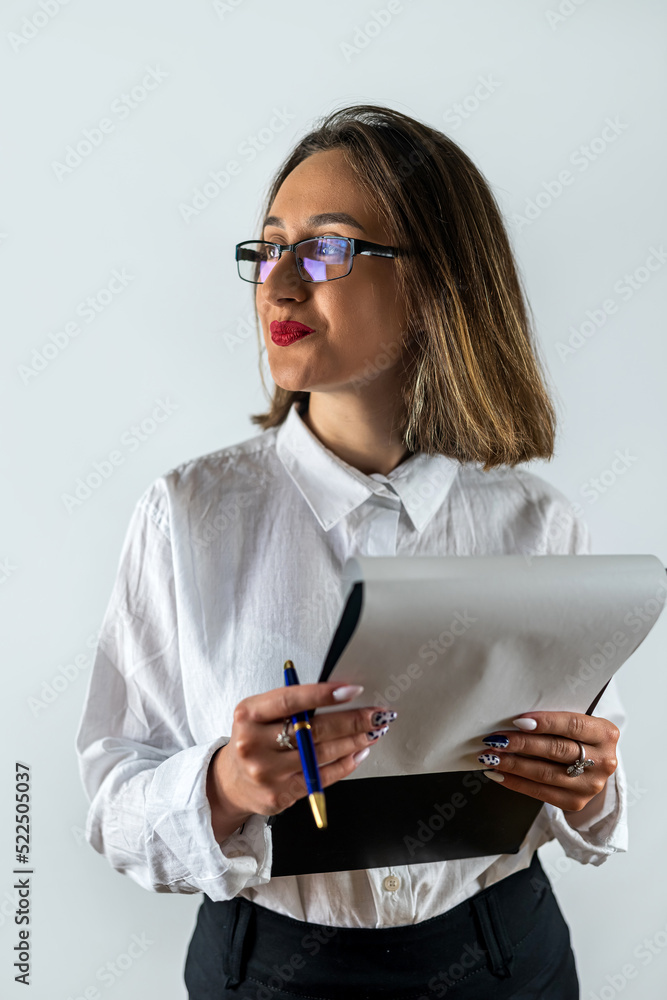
{"x":231,"y":564}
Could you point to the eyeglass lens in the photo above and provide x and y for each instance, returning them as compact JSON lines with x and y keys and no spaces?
{"x":317,"y":260}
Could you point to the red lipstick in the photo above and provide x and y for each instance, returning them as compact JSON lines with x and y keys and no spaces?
{"x":284,"y":334}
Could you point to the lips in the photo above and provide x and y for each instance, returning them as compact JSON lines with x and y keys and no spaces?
{"x":287,"y":333}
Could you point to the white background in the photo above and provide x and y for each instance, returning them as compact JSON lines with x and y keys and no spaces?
{"x":179,"y":332}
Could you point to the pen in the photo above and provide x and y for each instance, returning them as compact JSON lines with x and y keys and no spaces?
{"x":304,"y":739}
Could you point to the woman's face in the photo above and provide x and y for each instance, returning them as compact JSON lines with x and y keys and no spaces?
{"x":358,"y":319}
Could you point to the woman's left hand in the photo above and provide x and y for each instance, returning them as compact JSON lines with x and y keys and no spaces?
{"x":535,"y":763}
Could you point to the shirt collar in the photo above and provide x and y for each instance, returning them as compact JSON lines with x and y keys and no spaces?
{"x":332,"y":488}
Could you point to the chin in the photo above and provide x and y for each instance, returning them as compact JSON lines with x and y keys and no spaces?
{"x":289,"y":379}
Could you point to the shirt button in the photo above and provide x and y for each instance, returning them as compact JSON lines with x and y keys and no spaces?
{"x":391,"y":883}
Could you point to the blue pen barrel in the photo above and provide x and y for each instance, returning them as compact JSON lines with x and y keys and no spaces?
{"x":306,"y":747}
{"x":308,"y":760}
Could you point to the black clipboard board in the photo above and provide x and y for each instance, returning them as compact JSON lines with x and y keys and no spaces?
{"x":400,"y":820}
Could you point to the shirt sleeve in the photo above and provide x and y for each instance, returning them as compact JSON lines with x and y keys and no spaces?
{"x":601,"y":827}
{"x":143,"y":773}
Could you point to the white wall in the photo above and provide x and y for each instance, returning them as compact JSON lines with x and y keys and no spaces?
{"x":553,"y":82}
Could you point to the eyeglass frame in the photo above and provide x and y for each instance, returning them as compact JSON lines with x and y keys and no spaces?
{"x":358,"y":248}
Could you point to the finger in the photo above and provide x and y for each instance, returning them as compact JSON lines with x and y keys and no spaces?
{"x":556,"y":748}
{"x":569,"y":797}
{"x":335,"y":725}
{"x":275,"y":705}
{"x":582,"y":728}
{"x":330,"y":773}
{"x":552,"y":774}
{"x":332,"y":750}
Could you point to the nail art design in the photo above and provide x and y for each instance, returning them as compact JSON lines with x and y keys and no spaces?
{"x":496,"y":741}
{"x":489,"y":758}
{"x":377,"y":733}
{"x":382,"y":718}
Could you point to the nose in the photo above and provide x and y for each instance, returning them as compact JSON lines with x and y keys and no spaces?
{"x":283,"y":280}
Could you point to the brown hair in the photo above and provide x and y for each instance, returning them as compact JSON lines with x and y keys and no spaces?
{"x":473,"y":387}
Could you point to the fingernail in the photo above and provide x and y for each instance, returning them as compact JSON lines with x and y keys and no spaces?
{"x":494,"y":775}
{"x":489,"y":758}
{"x":361,"y":755}
{"x":382,"y":718}
{"x":526,"y":724}
{"x":377,"y":733}
{"x":347,"y":692}
{"x":496,"y":741}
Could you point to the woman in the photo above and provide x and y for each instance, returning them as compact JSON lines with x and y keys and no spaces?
{"x":407,"y":390}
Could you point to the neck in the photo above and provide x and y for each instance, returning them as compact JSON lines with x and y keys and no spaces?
{"x":362,"y":430}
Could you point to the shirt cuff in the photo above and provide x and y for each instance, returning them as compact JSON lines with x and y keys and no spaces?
{"x":183,"y":854}
{"x":591,"y":835}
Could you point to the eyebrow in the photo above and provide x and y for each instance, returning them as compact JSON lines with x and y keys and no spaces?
{"x":323,"y":219}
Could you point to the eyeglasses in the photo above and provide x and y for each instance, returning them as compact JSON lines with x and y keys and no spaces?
{"x":322,"y":259}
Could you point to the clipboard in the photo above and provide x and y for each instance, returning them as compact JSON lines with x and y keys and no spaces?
{"x":414,"y":818}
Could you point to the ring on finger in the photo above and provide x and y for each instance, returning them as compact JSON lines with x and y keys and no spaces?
{"x":283,"y":738}
{"x":577,"y":769}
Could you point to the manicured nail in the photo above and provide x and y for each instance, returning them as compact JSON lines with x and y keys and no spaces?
{"x":526,"y":724}
{"x":347,"y":692}
{"x":382,"y":718}
{"x":489,"y":758}
{"x":494,"y":775}
{"x":377,"y":733}
{"x":361,"y":755}
{"x":496,"y":741}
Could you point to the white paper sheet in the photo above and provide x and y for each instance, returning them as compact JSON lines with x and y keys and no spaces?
{"x":460,"y":646}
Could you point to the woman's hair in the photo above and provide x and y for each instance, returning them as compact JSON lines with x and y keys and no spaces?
{"x":473,"y":386}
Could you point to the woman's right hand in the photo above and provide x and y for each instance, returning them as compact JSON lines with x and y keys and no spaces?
{"x":252,"y":775}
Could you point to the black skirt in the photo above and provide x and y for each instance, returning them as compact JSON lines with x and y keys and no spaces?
{"x":508,"y":941}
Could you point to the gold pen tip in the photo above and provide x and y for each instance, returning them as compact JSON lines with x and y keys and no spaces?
{"x":288,"y":663}
{"x":318,"y":805}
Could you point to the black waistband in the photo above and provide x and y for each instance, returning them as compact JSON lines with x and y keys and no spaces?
{"x":499,"y":917}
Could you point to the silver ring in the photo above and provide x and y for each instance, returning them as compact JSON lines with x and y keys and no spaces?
{"x":283,"y":738}
{"x":577,"y":769}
